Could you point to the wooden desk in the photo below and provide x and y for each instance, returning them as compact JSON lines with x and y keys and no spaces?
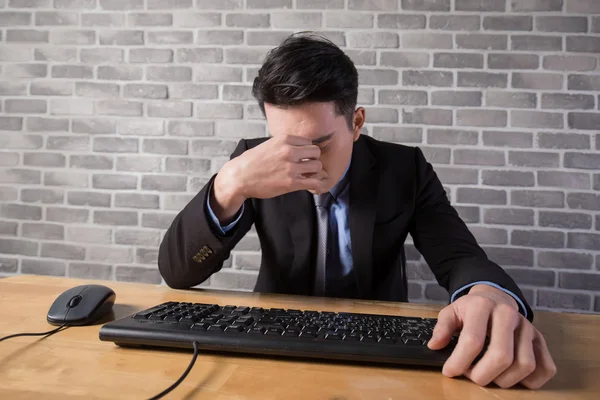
{"x":75,"y":364}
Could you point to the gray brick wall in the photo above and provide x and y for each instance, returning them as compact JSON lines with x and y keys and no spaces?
{"x":113,"y":113}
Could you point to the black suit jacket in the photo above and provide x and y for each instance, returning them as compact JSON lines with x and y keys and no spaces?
{"x":393,"y":191}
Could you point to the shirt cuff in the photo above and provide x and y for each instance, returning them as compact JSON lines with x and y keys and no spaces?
{"x":215,"y":220}
{"x":523,"y":310}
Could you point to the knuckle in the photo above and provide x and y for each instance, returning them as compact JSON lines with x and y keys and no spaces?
{"x":501,"y":359}
{"x":506,"y":310}
{"x":527,"y":366}
{"x":472,"y":341}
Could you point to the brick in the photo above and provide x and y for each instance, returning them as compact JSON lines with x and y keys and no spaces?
{"x":579,"y":280}
{"x":91,"y":199}
{"x":427,"y":41}
{"x":94,"y":126}
{"x":90,"y":271}
{"x":244,"y":55}
{"x":187,"y":19}
{"x":533,"y":159}
{"x":427,"y":78}
{"x":150,"y":19}
{"x":543,"y":239}
{"x":561,"y":24}
{"x":170,"y":37}
{"x":8,"y":193}
{"x":404,"y":59}
{"x":233,"y":93}
{"x":452,"y":176}
{"x":26,"y":36}
{"x":41,"y":124}
{"x":91,"y":162}
{"x":63,"y":251}
{"x":564,"y":141}
{"x":583,"y":6}
{"x":137,"y":274}
{"x":481,"y":196}
{"x":373,"y":39}
{"x":115,"y":217}
{"x":567,"y":180}
{"x":392,"y":21}
{"x":157,"y":220}
{"x":169,"y":74}
{"x":484,"y":118}
{"x":44,"y":159}
{"x":513,"y":61}
{"x":19,"y":71}
{"x":455,"y":22}
{"x":457,"y":60}
{"x":112,"y":254}
{"x":190,"y":128}
{"x":536,"y":119}
{"x":97,"y":90}
{"x":9,"y":159}
{"x":93,"y":56}
{"x":170,"y":109}
{"x":139,"y":164}
{"x":583,"y":82}
{"x":43,"y":267}
{"x":265,"y":38}
{"x":15,"y":18}
{"x":537,"y":199}
{"x":584,"y":121}
{"x":166,"y":183}
{"x":68,"y":143}
{"x":165,"y":146}
{"x":511,"y":99}
{"x":596,"y":181}
{"x":510,"y":256}
{"x":43,"y":231}
{"x":536,"y":5}
{"x":73,"y":37}
{"x":436,"y":155}
{"x":569,"y":63}
{"x":12,"y":124}
{"x":508,"y":23}
{"x":296,"y":20}
{"x":452,"y":137}
{"x":351,"y":20}
{"x":264,"y":4}
{"x":42,"y":88}
{"x":582,"y":160}
{"x":376,"y":5}
{"x":145,"y":91}
{"x":114,"y":181}
{"x":136,"y":200}
{"x":481,"y":79}
{"x":187,"y":165}
{"x":532,"y":277}
{"x":43,"y":196}
{"x":53,"y":18}
{"x":150,"y":56}
{"x":28,"y":3}
{"x":15,"y":88}
{"x":8,"y":228}
{"x":8,"y":265}
{"x":25,"y":106}
{"x":199,"y":55}
{"x":583,"y":44}
{"x":66,"y":179}
{"x":479,"y":41}
{"x":85,"y":234}
{"x":21,"y":247}
{"x":146,"y":256}
{"x":565,"y":220}
{"x":480,"y":5}
{"x":403,"y":97}
{"x":17,"y":175}
{"x":137,"y":237}
{"x":320,"y":4}
{"x":20,"y":211}
{"x":220,"y":37}
{"x":103,"y":20}
{"x":427,"y":116}
{"x":567,"y":101}
{"x":72,"y":71}
{"x":119,"y":108}
{"x":68,"y":215}
{"x":565,"y":260}
{"x":485,"y":235}
{"x":121,"y":4}
{"x":571,"y":301}
{"x":141,"y":127}
{"x":71,"y":107}
{"x":584,"y":201}
{"x":539,"y":81}
{"x":212,"y":148}
{"x":213,"y":73}
{"x":58,"y":54}
{"x":536,"y":43}
{"x":508,"y":178}
{"x":362,"y":57}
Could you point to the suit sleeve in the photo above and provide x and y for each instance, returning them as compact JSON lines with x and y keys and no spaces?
{"x":193,"y":248}
{"x":446,"y":243}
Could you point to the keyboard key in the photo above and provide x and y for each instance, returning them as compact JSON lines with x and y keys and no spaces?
{"x":333,"y":336}
{"x":216,"y":328}
{"x":241,"y":310}
{"x":257,"y":331}
{"x":142,"y":316}
{"x":172,"y":318}
{"x":412,"y":342}
{"x":190,"y":318}
{"x":274,"y":331}
{"x":199,"y":327}
{"x":234,"y":329}
{"x":156,"y":317}
{"x":291,"y":333}
{"x":256,"y":310}
{"x":352,"y":338}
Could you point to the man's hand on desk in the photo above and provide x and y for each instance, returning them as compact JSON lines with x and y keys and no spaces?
{"x":517,"y":351}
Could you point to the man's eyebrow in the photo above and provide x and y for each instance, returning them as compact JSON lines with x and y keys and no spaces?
{"x":322,"y":139}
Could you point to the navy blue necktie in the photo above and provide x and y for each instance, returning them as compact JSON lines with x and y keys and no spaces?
{"x":322,"y":202}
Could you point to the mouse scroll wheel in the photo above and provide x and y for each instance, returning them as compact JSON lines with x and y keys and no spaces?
{"x":74,"y":301}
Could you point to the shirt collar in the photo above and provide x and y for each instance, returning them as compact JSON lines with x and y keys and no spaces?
{"x":341,"y":184}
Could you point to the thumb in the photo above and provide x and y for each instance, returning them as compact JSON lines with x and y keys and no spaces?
{"x":448,"y":323}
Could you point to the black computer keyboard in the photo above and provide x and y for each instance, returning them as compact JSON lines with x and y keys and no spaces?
{"x":279,"y":332}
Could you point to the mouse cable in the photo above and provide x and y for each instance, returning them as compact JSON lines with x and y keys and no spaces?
{"x":34,"y":334}
{"x":182,"y":377}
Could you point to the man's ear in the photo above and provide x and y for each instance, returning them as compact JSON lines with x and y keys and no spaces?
{"x":358,"y":122}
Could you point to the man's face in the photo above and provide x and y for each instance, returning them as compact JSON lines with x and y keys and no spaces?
{"x":319,"y":123}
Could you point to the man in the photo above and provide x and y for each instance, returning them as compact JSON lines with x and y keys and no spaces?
{"x":332,"y":209}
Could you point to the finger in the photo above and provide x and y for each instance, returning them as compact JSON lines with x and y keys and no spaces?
{"x":500,"y":353}
{"x":524,"y":363}
{"x":310,"y":152}
{"x":309,"y":167}
{"x":471,"y":339}
{"x":313,"y":184}
{"x":296,"y":140}
{"x":545,"y":368}
{"x":447,"y":323}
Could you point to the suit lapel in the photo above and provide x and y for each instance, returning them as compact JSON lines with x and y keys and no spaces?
{"x":363,"y":203}
{"x":299,"y":209}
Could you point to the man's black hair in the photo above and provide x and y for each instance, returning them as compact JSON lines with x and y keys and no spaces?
{"x":307,"y":68}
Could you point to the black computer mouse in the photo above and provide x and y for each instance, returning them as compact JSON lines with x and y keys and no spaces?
{"x":81,"y":305}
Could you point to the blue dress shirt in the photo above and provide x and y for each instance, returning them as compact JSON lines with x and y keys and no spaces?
{"x":340,"y":232}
